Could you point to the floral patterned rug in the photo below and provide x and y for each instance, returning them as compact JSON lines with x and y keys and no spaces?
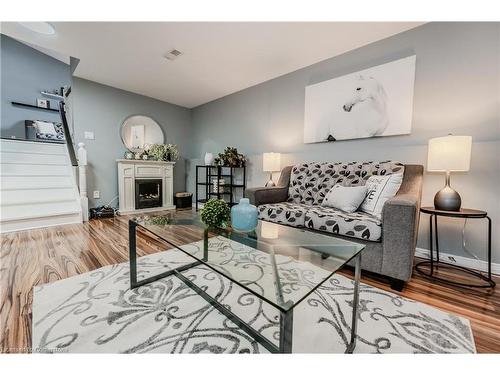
{"x":96,"y":312}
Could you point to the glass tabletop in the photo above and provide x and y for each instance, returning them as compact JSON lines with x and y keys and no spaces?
{"x":280,"y":264}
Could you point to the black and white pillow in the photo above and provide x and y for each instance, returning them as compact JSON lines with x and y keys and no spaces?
{"x":379,"y":190}
{"x":49,"y":130}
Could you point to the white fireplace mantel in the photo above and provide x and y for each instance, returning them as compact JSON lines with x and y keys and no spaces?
{"x":130,"y":169}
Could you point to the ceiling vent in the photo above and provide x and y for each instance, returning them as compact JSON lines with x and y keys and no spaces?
{"x":173,"y":54}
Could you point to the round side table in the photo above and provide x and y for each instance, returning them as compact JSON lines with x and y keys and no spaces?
{"x":464,"y":213}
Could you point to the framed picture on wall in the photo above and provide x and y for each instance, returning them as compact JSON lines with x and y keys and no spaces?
{"x":374,"y":102}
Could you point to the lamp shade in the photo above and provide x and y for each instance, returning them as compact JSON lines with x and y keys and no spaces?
{"x":449,"y":154}
{"x":271,"y":162}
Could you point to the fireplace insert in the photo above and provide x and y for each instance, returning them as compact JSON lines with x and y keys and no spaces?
{"x":148,"y":193}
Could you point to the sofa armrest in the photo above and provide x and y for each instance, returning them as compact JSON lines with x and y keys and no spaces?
{"x":274,"y":194}
{"x":400,"y":219}
{"x":263,"y":195}
{"x":399,"y":235}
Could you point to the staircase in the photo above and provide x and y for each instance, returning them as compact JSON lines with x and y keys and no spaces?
{"x":37,"y":187}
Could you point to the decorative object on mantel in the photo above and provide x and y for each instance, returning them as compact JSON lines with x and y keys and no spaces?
{"x":449,"y":154}
{"x":165,"y":152}
{"x":271,"y":163}
{"x":128,"y":155}
{"x":244,"y":216}
{"x":209,"y":158}
{"x":373,"y":102}
{"x":215,"y":213}
{"x":230,"y":158}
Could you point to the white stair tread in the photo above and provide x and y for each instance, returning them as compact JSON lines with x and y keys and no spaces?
{"x":35,"y":182}
{"x":38,"y":210}
{"x":33,"y":147}
{"x":38,"y":170}
{"x":33,"y":196}
{"x":24,"y":158}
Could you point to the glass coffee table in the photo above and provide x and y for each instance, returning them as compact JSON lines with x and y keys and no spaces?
{"x":260,"y":262}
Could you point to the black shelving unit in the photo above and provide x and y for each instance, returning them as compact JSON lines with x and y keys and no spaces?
{"x":205,"y":184}
{"x":34,"y":107}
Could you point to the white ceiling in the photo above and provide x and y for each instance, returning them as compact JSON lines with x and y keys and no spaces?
{"x":219,"y":58}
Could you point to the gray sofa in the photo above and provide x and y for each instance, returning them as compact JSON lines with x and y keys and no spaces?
{"x":390,"y":241}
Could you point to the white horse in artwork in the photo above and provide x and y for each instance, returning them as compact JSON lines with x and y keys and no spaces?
{"x":368,"y":107}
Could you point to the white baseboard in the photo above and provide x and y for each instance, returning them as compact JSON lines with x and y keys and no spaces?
{"x":472,"y":263}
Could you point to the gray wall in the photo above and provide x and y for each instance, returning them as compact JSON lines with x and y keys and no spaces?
{"x":456,"y":90}
{"x":102,"y":109}
{"x":24,"y":73}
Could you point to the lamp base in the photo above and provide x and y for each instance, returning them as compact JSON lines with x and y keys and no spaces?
{"x":447,"y":199}
{"x":270,"y":183}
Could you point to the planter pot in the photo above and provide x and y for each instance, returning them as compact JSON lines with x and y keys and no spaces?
{"x":209,"y":158}
{"x":244,"y":217}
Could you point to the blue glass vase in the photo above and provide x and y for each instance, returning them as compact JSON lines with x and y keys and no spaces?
{"x":244,"y":216}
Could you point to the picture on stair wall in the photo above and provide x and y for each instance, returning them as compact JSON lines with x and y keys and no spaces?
{"x":374,"y":102}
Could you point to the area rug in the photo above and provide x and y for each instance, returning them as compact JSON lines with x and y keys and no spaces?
{"x":97,"y":312}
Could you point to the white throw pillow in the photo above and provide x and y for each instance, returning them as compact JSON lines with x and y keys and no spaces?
{"x":345,"y":198}
{"x":380,"y":189}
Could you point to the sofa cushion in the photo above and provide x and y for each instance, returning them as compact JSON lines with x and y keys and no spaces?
{"x":357,"y":224}
{"x":345,"y":198}
{"x":310,"y":182}
{"x":284,"y":213}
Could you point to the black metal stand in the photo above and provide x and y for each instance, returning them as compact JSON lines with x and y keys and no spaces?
{"x":218,"y":172}
{"x":286,"y":317}
{"x":433,"y":222}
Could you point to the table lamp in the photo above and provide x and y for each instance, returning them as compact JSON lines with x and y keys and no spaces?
{"x":449,"y":154}
{"x":271,"y":163}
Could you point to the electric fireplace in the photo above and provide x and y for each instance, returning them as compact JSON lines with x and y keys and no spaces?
{"x":148,"y":193}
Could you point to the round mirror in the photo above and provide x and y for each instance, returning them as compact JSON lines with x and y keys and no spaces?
{"x":138,"y":131}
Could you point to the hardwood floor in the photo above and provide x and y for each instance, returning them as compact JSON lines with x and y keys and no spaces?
{"x":40,"y":256}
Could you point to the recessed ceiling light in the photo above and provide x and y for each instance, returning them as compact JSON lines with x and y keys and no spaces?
{"x":44,"y":28}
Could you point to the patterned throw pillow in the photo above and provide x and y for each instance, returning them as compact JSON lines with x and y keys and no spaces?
{"x":345,"y":198}
{"x":380,"y":189}
{"x":310,"y":182}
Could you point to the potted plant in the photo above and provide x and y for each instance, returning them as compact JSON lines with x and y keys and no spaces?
{"x":165,"y":152}
{"x":215,"y":213}
{"x":230,"y":158}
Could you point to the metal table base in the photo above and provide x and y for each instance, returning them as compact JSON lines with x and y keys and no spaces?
{"x":435,"y":263}
{"x":286,"y":316}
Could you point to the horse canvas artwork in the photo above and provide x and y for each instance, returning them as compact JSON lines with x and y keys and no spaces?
{"x":370,"y":103}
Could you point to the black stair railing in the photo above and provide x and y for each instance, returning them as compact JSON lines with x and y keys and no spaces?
{"x":67,"y":135}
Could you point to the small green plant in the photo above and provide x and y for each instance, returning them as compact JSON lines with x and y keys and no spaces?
{"x":215,"y":213}
{"x":167,"y":152}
